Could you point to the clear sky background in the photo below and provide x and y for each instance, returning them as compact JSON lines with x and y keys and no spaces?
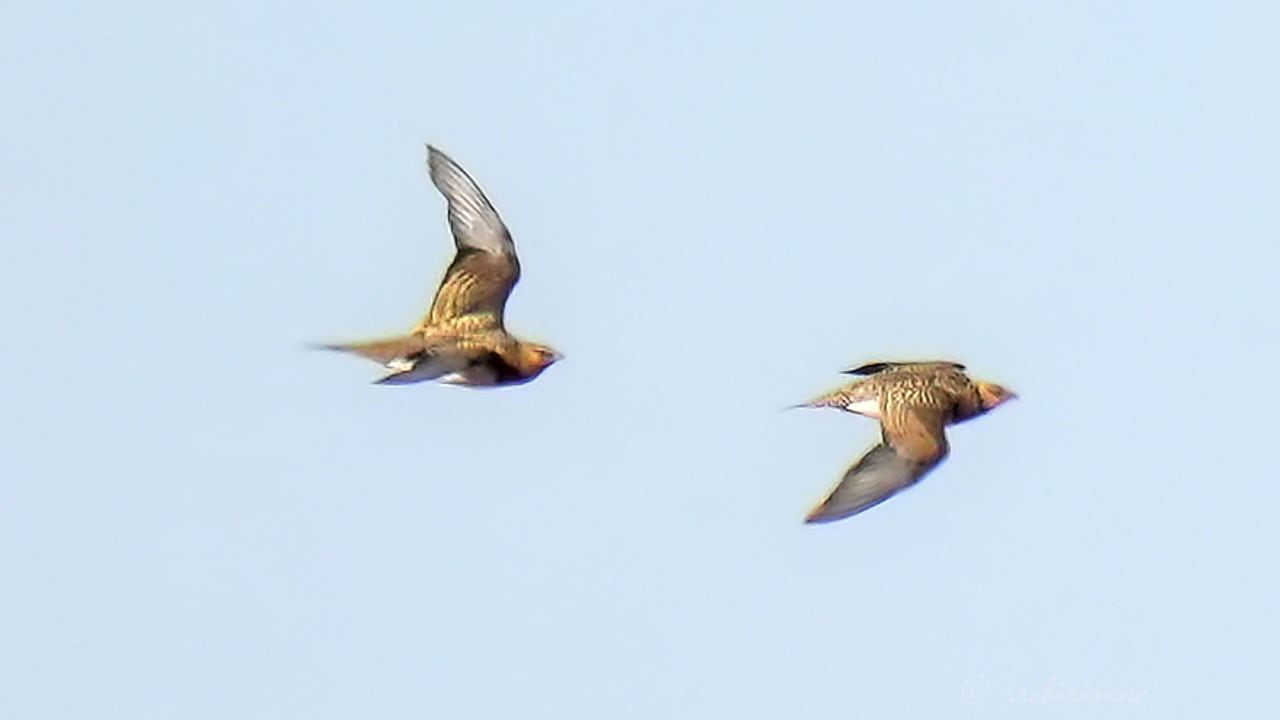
{"x":718,"y":207}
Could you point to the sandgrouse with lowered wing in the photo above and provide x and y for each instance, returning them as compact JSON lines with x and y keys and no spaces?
{"x":914,"y":402}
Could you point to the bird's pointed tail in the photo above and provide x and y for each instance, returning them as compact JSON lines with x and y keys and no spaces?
{"x":835,"y":398}
{"x":385,"y":351}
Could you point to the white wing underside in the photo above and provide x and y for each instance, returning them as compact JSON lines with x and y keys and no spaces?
{"x":869,"y":407}
{"x":405,"y":371}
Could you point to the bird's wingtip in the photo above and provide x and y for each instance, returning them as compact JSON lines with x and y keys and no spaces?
{"x":816,"y":517}
{"x":436,"y":155}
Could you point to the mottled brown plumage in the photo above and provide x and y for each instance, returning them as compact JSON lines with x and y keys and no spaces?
{"x":914,"y":402}
{"x":462,"y":339}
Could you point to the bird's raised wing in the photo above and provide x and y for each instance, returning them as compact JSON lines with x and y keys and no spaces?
{"x":475,"y":288}
{"x":913,"y":444}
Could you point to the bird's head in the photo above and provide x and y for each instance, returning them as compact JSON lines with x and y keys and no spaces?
{"x":993,"y":395}
{"x":537,"y":358}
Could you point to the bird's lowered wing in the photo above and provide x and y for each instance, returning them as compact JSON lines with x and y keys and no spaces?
{"x":912,"y":444}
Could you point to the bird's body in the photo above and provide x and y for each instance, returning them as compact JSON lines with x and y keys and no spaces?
{"x":915,"y":402}
{"x":462,"y":340}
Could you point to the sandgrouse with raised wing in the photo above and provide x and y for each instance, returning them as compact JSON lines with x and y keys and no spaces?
{"x":914,"y":402}
{"x":462,"y":340}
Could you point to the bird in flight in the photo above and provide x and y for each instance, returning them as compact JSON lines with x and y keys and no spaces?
{"x":914,"y":402}
{"x":462,"y":340}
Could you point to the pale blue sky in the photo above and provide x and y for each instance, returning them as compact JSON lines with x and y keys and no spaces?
{"x":718,"y":207}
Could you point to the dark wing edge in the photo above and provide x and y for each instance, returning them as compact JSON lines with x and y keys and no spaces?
{"x":878,"y":367}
